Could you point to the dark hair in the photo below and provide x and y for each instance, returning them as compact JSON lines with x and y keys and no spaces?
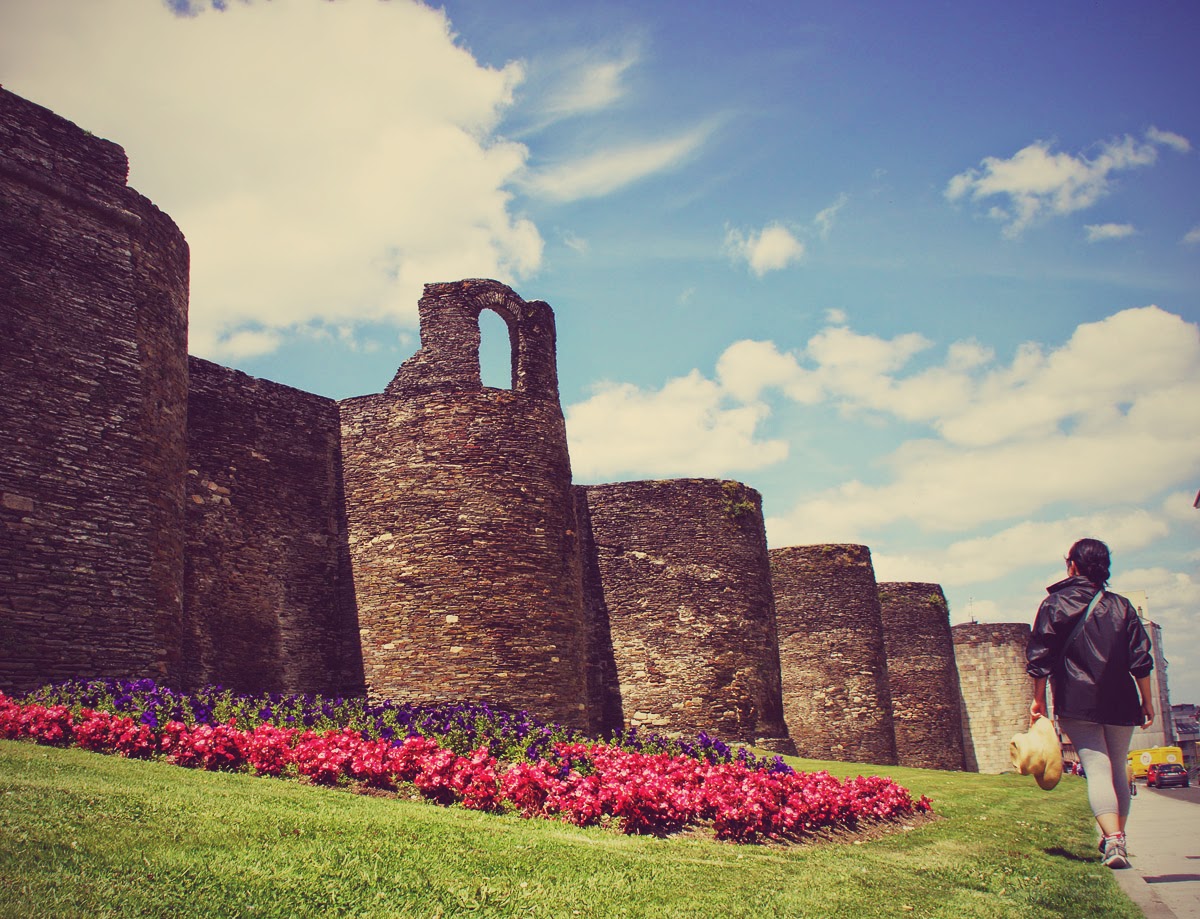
{"x":1092,"y":559}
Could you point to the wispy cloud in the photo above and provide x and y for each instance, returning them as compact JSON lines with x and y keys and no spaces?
{"x":586,"y":81}
{"x":576,"y":243}
{"x":825,"y":218}
{"x":1038,"y":182}
{"x":769,"y":249}
{"x":1192,"y":237}
{"x":1098,"y":232}
{"x":606,"y":171}
{"x":1169,"y":139}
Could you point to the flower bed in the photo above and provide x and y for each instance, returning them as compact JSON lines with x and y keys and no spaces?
{"x":516,"y":764}
{"x":461,"y":726}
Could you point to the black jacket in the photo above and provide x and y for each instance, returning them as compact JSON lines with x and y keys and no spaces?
{"x":1095,"y":680}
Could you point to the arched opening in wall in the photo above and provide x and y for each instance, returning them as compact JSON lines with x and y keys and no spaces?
{"x":497,"y":351}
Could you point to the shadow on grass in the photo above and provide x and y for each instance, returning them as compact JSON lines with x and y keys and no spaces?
{"x":1059,"y":852}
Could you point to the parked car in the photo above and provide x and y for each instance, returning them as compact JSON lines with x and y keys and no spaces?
{"x":1160,"y":775}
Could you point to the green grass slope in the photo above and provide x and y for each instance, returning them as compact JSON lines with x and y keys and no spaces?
{"x":89,"y":835}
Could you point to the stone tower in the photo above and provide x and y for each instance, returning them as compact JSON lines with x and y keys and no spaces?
{"x":93,"y":353}
{"x":835,"y":678}
{"x":922,"y":675}
{"x":995,"y":690}
{"x":678,"y":590}
{"x":461,"y":518}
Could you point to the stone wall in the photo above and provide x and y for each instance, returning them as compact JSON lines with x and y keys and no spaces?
{"x":425,"y":543}
{"x":462,"y":521}
{"x":93,"y":351}
{"x":681,"y":580}
{"x":835,"y":678}
{"x":922,"y":676}
{"x":995,"y":690}
{"x":269,"y":603}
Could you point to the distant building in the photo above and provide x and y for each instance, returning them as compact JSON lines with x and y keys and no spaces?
{"x":1186,"y":716}
{"x":1162,"y":732}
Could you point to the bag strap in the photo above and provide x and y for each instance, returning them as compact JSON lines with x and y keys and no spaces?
{"x":1075,"y":632}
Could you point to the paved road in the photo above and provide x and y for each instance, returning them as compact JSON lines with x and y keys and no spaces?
{"x":1164,"y":847}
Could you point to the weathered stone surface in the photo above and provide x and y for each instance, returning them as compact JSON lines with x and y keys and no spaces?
{"x":835,"y":679}
{"x":922,"y":676}
{"x":424,"y":543}
{"x":679,"y":591}
{"x":93,"y":313}
{"x":268,"y":596}
{"x":461,"y":519}
{"x":994,"y":688}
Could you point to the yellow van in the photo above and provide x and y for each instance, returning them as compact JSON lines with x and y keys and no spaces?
{"x":1141,"y":760}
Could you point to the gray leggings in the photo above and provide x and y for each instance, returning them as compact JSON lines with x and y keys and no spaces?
{"x":1103,"y":750}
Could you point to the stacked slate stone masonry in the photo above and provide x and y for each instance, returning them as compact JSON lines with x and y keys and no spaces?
{"x":922,"y":675}
{"x":678,"y":578}
{"x":93,"y":404}
{"x":838,"y":702}
{"x":268,"y":592}
{"x":171,"y":518}
{"x":994,"y":691}
{"x":461,"y":518}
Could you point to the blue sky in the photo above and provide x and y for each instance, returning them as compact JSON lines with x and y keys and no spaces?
{"x":925,"y":275}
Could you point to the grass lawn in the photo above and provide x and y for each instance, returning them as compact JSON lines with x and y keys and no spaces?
{"x":89,"y":835}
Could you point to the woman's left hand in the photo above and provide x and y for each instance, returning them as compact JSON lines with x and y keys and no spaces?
{"x":1147,"y":713}
{"x":1037,"y":709}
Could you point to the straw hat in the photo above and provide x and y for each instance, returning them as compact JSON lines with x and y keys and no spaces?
{"x":1037,"y":752}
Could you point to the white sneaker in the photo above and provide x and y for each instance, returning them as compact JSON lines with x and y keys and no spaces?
{"x":1115,"y":855}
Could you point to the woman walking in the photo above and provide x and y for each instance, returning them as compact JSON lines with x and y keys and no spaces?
{"x":1091,"y":646}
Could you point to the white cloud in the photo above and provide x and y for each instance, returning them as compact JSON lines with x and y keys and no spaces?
{"x":687,"y":428}
{"x":1114,"y":411}
{"x":854,"y":370}
{"x":1038,"y":182}
{"x":606,"y":171}
{"x":1192,"y":236}
{"x":824,"y":219}
{"x":746,"y":368}
{"x":770,"y":249}
{"x":248,"y":343}
{"x":1098,"y":232}
{"x":984,"y":610}
{"x":1169,"y":139}
{"x":1180,"y":508}
{"x":1027,"y":544}
{"x":1122,"y":371}
{"x":586,"y":81}
{"x":1173,"y":597}
{"x":358,"y":163}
